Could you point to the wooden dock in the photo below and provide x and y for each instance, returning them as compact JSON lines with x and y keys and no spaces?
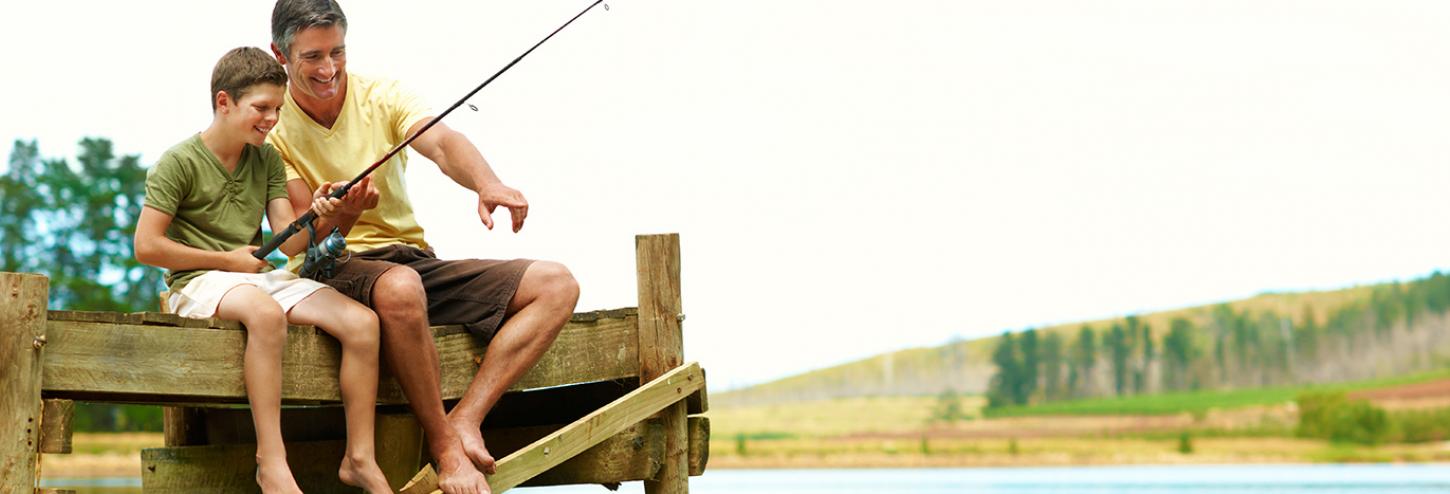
{"x":610,"y":402}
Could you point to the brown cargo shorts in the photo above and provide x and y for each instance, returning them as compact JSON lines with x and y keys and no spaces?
{"x":472,"y":292}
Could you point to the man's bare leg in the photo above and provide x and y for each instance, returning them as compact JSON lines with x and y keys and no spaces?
{"x":402,"y":308}
{"x":544,"y":302}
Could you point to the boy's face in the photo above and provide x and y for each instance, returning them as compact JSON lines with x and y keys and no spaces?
{"x":254,"y":115}
{"x":317,"y":62}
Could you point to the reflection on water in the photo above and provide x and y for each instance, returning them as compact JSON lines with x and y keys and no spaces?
{"x":1233,"y":479}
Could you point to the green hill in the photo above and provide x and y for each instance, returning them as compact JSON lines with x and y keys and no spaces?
{"x":1274,"y":339}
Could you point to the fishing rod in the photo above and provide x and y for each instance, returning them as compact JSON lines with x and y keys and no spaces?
{"x":334,"y":243}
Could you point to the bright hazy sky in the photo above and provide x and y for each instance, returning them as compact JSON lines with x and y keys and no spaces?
{"x":855,"y":177}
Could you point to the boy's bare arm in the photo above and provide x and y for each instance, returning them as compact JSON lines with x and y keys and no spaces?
{"x":153,"y":248}
{"x":279,"y":215}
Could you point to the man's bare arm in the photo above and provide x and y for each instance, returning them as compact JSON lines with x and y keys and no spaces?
{"x":461,"y":161}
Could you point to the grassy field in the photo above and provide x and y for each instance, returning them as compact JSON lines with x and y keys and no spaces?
{"x":1246,"y":426}
{"x":1201,"y":401}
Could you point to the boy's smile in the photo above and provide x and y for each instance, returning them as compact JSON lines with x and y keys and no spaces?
{"x":256,"y":112}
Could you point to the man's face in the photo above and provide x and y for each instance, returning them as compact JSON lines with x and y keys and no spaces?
{"x":255,"y":113}
{"x":316,"y":62}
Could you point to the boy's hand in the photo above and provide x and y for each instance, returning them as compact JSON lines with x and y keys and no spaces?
{"x":359,"y":198}
{"x":241,"y":261}
{"x":323,"y":205}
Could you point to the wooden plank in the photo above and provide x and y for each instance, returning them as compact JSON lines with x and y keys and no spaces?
{"x":23,"y":299}
{"x":157,"y":364}
{"x":699,"y":444}
{"x":399,"y":446}
{"x":698,"y":403}
{"x":232,"y":468}
{"x":183,"y":426}
{"x":630,"y":455}
{"x":661,"y":348}
{"x":55,"y":426}
{"x":83,"y":316}
{"x":52,"y":490}
{"x":551,"y":450}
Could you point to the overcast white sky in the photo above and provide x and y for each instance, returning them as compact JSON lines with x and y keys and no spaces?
{"x":855,"y":177}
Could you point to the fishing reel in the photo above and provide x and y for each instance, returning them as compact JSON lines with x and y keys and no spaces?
{"x":322,"y":255}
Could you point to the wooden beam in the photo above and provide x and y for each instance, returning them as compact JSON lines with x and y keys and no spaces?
{"x":661,"y":348}
{"x":141,"y":363}
{"x":55,"y":430}
{"x":551,"y":450}
{"x":699,"y":444}
{"x":23,"y":298}
{"x":631,"y":455}
{"x":399,"y":445}
{"x":231,"y":468}
{"x":183,"y":426}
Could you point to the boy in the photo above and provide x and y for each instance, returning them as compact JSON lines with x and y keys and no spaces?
{"x":204,"y":203}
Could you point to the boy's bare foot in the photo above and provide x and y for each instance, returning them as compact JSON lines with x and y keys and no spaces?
{"x":364,"y":474}
{"x":274,"y":477}
{"x":473,"y":446}
{"x":456,"y":475}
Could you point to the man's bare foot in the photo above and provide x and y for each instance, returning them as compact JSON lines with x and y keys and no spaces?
{"x":457,"y":476}
{"x":472,"y":439}
{"x":364,"y":474}
{"x":274,"y":477}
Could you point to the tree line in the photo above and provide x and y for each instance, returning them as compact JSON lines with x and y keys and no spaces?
{"x":1395,"y":328}
{"x":73,"y":222}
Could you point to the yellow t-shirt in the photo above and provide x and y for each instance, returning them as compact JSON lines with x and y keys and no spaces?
{"x":376,"y":115}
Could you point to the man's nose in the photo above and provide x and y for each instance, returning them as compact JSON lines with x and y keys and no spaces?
{"x":327,"y":68}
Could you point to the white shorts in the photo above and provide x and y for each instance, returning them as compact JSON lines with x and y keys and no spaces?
{"x":199,"y":298}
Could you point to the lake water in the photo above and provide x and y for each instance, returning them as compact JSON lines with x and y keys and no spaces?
{"x":1233,"y":479}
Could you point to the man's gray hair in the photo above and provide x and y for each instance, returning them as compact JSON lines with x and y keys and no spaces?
{"x":291,"y":16}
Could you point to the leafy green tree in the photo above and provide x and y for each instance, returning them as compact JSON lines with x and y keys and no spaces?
{"x":1027,"y":384}
{"x":1178,"y":352}
{"x":1118,"y":351}
{"x":1083,"y":361}
{"x":948,"y":408}
{"x":1001,"y":390}
{"x":1052,"y":364}
{"x":74,"y":224}
{"x":20,"y":203}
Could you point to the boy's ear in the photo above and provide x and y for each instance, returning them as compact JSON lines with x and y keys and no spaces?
{"x":282,"y":59}
{"x":223,"y":100}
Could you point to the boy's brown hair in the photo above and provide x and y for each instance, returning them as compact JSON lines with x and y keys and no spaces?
{"x":243,"y":67}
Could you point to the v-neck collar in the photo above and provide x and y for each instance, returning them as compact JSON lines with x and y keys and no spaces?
{"x":215,"y":161}
{"x":341,"y":114}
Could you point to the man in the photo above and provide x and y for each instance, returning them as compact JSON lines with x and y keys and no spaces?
{"x":332,"y":126}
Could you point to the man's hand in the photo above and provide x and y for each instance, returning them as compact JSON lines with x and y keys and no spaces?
{"x":492,"y":196}
{"x":359,"y":198}
{"x":241,"y":261}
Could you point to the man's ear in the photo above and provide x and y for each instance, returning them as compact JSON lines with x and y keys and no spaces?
{"x":282,"y":59}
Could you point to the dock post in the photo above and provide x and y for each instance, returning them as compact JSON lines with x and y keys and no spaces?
{"x":661,"y":348}
{"x":23,"y":299}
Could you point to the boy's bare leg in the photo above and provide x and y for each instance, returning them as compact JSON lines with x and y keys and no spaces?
{"x":262,"y":373}
{"x":402,"y":309}
{"x":356,"y":328}
{"x":544,"y":302}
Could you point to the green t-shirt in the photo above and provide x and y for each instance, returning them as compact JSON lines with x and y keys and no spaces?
{"x":213,"y":209}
